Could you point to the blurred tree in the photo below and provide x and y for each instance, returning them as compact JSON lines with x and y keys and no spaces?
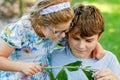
{"x":11,"y":8}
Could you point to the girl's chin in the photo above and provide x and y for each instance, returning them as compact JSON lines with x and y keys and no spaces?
{"x":54,"y":39}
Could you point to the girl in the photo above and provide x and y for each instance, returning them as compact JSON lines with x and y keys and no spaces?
{"x":24,"y":44}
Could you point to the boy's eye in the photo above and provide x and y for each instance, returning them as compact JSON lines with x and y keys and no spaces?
{"x":90,"y":40}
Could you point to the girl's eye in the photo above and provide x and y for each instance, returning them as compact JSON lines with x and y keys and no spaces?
{"x":75,"y":38}
{"x":56,"y":32}
{"x":65,"y":31}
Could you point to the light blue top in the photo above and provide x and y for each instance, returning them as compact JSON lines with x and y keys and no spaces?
{"x":29,"y":47}
{"x":63,"y":56}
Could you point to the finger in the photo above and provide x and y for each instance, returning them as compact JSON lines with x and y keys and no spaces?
{"x":95,"y":74}
{"x":100,"y":51}
{"x":94,"y":54}
{"x":34,"y":70}
{"x":31,"y":73}
{"x":35,"y":67}
{"x":105,"y":78}
{"x":102,"y":73}
{"x":39,"y":68}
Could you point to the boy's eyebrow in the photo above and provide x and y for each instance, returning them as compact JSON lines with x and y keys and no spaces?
{"x":89,"y":38}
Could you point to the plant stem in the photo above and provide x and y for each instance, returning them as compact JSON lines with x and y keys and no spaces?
{"x":63,"y":67}
{"x":78,"y":67}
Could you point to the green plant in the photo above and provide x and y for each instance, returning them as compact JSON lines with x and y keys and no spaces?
{"x":62,"y":75}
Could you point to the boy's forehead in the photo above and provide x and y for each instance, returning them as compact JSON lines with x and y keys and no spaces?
{"x":85,"y":37}
{"x":76,"y":32}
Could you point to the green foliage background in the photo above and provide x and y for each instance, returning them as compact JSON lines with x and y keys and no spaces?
{"x":111,"y":11}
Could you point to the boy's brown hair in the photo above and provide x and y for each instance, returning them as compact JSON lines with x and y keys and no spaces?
{"x":88,"y":21}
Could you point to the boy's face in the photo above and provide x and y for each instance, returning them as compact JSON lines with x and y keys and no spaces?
{"x":82,"y":47}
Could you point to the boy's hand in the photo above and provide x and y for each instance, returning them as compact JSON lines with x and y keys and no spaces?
{"x":105,"y":74}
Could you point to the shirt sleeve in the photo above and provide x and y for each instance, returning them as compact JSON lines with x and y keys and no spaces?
{"x":12,"y":34}
{"x":115,"y":66}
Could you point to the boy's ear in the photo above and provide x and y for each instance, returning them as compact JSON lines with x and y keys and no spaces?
{"x":99,"y":36}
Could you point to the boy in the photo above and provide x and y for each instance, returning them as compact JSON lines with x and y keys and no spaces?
{"x":87,"y":27}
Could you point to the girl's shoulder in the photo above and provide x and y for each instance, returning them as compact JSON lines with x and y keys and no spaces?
{"x":23,"y":22}
{"x":20,"y":24}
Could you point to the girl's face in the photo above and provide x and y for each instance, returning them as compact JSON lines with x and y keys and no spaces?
{"x":82,"y":47}
{"x":56,"y":32}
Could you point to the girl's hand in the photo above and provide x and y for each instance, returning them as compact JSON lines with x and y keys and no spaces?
{"x":30,"y":68}
{"x":98,"y":52}
{"x":105,"y":74}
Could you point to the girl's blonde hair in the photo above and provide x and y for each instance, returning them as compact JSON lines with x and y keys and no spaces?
{"x":58,"y":17}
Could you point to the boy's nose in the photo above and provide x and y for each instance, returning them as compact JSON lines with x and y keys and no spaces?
{"x":81,"y":44}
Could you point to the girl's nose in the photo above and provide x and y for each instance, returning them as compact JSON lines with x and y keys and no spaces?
{"x":63,"y":35}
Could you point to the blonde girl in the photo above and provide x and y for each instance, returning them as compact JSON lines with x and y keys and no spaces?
{"x":24,"y":44}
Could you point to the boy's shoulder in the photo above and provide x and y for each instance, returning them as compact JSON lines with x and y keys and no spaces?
{"x":109,"y":56}
{"x":59,"y":51}
{"x":109,"y":53}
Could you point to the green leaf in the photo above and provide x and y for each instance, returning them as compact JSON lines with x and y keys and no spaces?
{"x":74,"y":66}
{"x":62,"y":75}
{"x":51,"y":76}
{"x":88,"y":74}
